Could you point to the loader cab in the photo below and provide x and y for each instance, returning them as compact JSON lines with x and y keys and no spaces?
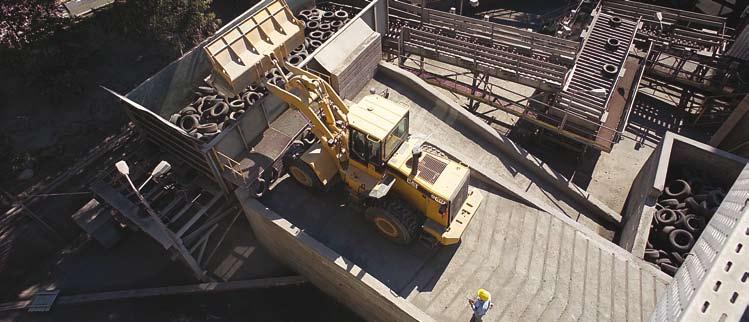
{"x":377,"y":128}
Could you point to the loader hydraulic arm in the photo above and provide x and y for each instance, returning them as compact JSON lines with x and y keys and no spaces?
{"x":319,"y":103}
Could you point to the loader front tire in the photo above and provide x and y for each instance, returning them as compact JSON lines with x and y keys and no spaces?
{"x":395,"y":220}
{"x":303,"y":173}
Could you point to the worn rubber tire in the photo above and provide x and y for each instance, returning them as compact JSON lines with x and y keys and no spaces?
{"x":188,"y":111}
{"x":314,"y":44}
{"x":340,"y":14}
{"x":691,"y":223}
{"x":207,"y":105}
{"x":235,"y":115}
{"x":662,"y":253}
{"x":207,"y":90}
{"x":669,"y":203}
{"x":678,"y":189}
{"x":250,"y":98}
{"x":174,"y":119}
{"x":303,"y":173}
{"x":236,"y":104}
{"x":189,"y":122}
{"x":651,"y":254}
{"x":664,"y":260}
{"x":219,"y":110}
{"x":295,"y":59}
{"x":666,"y":216}
{"x":667,"y":229}
{"x":394,"y":220}
{"x":316,"y":35}
{"x":676,"y":258}
{"x":680,"y":240}
{"x":207,"y":128}
{"x":311,"y":25}
{"x":668,"y":268}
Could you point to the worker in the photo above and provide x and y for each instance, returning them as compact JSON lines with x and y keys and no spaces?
{"x":480,"y":304}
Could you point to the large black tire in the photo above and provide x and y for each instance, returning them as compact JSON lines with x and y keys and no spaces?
{"x":678,"y":189}
{"x":681,"y":240}
{"x":666,"y":216}
{"x":303,"y":173}
{"x":394,"y":220}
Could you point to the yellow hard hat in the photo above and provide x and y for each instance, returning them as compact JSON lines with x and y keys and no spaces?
{"x":484,"y":295}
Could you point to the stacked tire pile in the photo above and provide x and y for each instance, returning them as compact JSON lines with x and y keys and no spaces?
{"x":210,"y":112}
{"x":682,"y":213}
{"x":319,"y":26}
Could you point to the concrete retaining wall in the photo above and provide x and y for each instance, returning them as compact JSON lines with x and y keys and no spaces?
{"x":451,"y":112}
{"x":329,"y":271}
{"x":640,"y":204}
{"x":674,"y":151}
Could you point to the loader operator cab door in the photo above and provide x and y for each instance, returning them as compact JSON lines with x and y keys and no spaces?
{"x":365,"y":149}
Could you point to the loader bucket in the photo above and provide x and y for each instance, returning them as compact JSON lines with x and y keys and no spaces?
{"x":242,"y":54}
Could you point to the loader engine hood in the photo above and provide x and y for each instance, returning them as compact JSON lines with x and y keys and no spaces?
{"x":443,"y":177}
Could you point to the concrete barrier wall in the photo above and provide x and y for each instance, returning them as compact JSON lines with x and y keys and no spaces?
{"x":450,"y":112}
{"x":329,"y":271}
{"x":640,"y":204}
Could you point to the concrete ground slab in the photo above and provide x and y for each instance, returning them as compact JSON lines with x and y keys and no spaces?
{"x":538,"y":266}
{"x":430,"y":119}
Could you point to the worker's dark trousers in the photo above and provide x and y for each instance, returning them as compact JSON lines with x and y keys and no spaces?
{"x":476,"y":318}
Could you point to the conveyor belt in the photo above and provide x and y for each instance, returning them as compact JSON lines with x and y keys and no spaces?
{"x":587,"y":74}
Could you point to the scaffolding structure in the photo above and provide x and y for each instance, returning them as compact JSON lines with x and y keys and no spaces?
{"x":623,"y":42}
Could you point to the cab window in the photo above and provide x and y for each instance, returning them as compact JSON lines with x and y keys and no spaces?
{"x":396,"y":137}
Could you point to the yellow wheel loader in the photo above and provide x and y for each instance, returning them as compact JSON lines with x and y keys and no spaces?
{"x":405,"y":185}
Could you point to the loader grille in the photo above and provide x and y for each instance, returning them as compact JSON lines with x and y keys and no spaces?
{"x":430,"y":168}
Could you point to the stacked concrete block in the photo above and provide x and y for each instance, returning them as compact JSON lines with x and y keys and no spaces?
{"x":351,"y":58}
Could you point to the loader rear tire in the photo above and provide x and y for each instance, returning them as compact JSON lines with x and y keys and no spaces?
{"x":394,"y":220}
